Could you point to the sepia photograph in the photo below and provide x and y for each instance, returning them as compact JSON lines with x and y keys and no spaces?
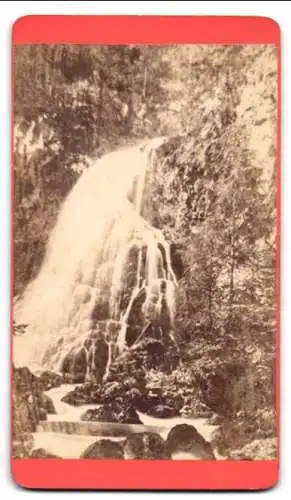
{"x":144,"y":252}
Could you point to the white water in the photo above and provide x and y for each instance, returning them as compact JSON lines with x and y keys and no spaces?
{"x":73,"y":445}
{"x":99,"y":224}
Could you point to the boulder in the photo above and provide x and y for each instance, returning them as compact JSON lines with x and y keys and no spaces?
{"x":42,"y":453}
{"x":105,"y":448}
{"x":47,"y":404}
{"x":85,"y":394}
{"x":75,"y":365}
{"x":94,"y":353}
{"x":30,"y":404}
{"x":185,"y":441}
{"x":48,"y":380}
{"x":145,"y":446}
{"x":163,"y":411}
{"x":113,"y":412}
{"x":160,"y":404}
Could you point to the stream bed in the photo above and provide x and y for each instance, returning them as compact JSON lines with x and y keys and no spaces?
{"x":72,"y":445}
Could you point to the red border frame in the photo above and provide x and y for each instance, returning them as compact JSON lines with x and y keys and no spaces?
{"x":151,"y":475}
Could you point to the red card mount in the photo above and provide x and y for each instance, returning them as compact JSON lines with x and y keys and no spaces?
{"x":152,"y":474}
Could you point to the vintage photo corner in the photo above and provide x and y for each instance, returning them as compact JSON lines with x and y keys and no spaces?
{"x":144,"y":252}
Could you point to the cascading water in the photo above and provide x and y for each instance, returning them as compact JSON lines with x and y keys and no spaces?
{"x":83,"y":280}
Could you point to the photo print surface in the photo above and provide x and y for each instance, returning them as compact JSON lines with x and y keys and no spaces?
{"x":144,"y":252}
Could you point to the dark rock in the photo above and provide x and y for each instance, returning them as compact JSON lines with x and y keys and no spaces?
{"x":113,"y":412}
{"x":18,"y":451}
{"x":163,"y":411}
{"x":42,"y":453}
{"x":184,"y":438}
{"x":196,"y":409}
{"x":42,"y":414}
{"x":47,"y":404}
{"x":145,"y":446}
{"x":94,"y":353}
{"x":259,"y":449}
{"x":155,"y":350}
{"x":85,"y":394}
{"x":22,"y":447}
{"x":23,"y":378}
{"x":111,"y":390}
{"x":49,"y":380}
{"x":221,"y":391}
{"x":101,"y":310}
{"x":105,"y":448}
{"x":30,"y":404}
{"x":177,"y":260}
{"x":75,"y":364}
{"x":160,"y":404}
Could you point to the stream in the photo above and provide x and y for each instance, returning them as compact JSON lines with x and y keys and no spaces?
{"x":72,"y":445}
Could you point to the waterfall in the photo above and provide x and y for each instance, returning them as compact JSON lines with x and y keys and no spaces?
{"x":103,"y":257}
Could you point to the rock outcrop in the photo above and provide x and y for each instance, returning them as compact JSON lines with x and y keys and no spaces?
{"x":104,"y":449}
{"x":42,"y":453}
{"x":30,"y":404}
{"x":113,"y":412}
{"x":184,"y":441}
{"x":145,"y":446}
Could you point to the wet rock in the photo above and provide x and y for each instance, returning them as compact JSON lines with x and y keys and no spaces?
{"x":22,"y":447}
{"x":90,"y":359}
{"x":47,"y":404}
{"x":160,"y":404}
{"x":105,"y":448}
{"x":177,"y":260}
{"x":196,"y":409}
{"x":145,"y":446}
{"x":113,"y":412}
{"x":42,"y":453}
{"x":185,"y":441}
{"x":48,"y":380}
{"x":75,"y":364}
{"x":155,"y":350}
{"x":163,"y":411}
{"x":85,"y":394}
{"x":101,"y":310}
{"x":24,"y":419}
